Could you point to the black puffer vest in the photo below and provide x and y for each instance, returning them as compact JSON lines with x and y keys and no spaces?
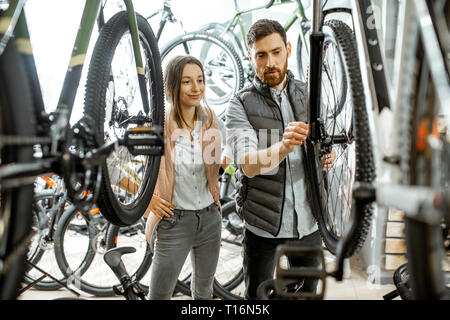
{"x":260,"y":199}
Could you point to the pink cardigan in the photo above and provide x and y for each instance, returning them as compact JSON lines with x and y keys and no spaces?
{"x":211,"y":142}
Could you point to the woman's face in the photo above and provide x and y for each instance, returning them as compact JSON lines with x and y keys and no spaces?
{"x":192,"y":86}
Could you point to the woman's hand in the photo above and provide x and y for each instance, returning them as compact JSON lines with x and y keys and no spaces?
{"x":160,"y":207}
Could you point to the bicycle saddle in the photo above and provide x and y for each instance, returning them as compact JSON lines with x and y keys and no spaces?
{"x":113,"y":257}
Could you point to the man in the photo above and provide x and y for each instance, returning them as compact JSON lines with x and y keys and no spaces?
{"x":266,"y":127}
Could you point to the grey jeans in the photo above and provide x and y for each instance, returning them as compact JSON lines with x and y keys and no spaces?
{"x":198,"y":232}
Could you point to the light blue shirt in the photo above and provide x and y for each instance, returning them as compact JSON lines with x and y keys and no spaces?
{"x":191,"y":190}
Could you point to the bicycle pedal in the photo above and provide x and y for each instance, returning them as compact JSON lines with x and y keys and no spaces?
{"x":118,"y":291}
{"x":148,"y":141}
{"x":287,"y":276}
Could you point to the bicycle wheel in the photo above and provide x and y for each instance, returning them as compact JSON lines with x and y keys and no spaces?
{"x":16,"y":119}
{"x":330,"y":67}
{"x":137,"y":263}
{"x":76,"y":245}
{"x":41,"y":250}
{"x":422,"y":164}
{"x":218,"y":29}
{"x":222,"y":65}
{"x":331,"y":190}
{"x":112,"y":101}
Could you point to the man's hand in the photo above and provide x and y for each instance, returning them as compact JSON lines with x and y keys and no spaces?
{"x":267,"y":159}
{"x":160,"y":207}
{"x":294,"y":135}
{"x":328,"y":160}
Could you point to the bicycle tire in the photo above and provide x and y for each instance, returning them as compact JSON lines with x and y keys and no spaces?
{"x":317,"y":180}
{"x":303,"y":60}
{"x":232,"y":60}
{"x":111,"y":242}
{"x":74,"y":276}
{"x":99,"y":84}
{"x":37,"y":255}
{"x":16,"y":119}
{"x":218,"y":29}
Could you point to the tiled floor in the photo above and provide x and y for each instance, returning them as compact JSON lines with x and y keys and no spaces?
{"x":356,"y":287}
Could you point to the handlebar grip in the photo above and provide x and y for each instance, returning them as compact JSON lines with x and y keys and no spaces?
{"x":269,"y":4}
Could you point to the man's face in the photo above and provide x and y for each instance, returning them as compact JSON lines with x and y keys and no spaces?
{"x":269,"y":57}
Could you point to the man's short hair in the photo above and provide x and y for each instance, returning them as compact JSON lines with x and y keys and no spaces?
{"x":263,"y":28}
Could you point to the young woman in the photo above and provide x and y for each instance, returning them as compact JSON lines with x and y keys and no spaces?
{"x":185,"y":207}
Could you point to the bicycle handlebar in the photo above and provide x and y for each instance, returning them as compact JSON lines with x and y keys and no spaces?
{"x":269,"y":4}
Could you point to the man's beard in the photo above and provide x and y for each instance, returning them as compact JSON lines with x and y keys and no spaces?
{"x":271,"y":80}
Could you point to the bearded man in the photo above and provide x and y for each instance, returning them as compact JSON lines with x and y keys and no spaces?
{"x":266,"y":126}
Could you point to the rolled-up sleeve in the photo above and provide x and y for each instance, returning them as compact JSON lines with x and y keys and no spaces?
{"x":241,"y":136}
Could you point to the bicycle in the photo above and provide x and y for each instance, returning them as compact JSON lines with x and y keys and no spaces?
{"x":48,"y":206}
{"x":222,"y":66}
{"x":166,"y":16}
{"x":131,"y":289}
{"x":224,"y":73}
{"x":416,"y":166}
{"x":410,"y":187}
{"x":76,"y":153}
{"x":228,"y":32}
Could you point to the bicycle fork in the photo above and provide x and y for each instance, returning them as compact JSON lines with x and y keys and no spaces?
{"x":315,"y":72}
{"x":362,"y":193}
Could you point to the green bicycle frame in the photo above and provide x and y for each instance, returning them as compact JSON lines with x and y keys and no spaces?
{"x":297,"y":14}
{"x":13,"y":21}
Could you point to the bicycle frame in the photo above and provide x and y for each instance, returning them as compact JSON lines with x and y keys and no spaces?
{"x":167,"y":15}
{"x":55,"y":128}
{"x":299,"y":13}
{"x":389,"y":193}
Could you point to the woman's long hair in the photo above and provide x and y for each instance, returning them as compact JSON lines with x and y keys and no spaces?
{"x":172,"y":83}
